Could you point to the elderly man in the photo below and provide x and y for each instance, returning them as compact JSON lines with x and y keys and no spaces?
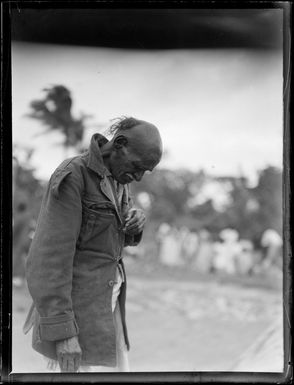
{"x":75,"y":271}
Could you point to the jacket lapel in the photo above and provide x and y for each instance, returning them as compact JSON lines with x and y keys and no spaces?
{"x":107,"y":190}
{"x":125,"y":200}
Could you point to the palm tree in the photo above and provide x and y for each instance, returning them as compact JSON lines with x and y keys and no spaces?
{"x":54,"y":111}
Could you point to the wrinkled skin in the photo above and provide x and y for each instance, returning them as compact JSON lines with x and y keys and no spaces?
{"x":69,"y":354}
{"x":133,"y":152}
{"x":134,"y":222}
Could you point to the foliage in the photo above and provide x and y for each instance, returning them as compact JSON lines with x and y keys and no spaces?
{"x":54,"y":111}
{"x":269,"y":197}
{"x":248,"y":210}
{"x":27,"y":197}
{"x":195,"y":200}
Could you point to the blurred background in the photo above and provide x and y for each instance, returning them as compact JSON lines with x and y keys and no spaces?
{"x":205,"y":284}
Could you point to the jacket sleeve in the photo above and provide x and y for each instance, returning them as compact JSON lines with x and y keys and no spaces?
{"x":131,"y":240}
{"x":49,"y":265}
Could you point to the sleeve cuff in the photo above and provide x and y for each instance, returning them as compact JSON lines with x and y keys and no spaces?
{"x":133,"y":240}
{"x":58,"y":328}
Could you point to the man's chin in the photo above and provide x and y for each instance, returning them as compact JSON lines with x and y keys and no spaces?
{"x":122,"y":179}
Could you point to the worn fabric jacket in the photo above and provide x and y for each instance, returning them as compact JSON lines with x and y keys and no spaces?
{"x":73,"y":258}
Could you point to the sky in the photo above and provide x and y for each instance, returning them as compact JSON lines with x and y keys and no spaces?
{"x":218,"y":110}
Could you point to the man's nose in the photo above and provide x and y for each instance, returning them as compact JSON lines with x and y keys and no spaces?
{"x":139,"y":175}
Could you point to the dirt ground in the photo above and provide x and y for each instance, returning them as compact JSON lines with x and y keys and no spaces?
{"x":181,"y":322}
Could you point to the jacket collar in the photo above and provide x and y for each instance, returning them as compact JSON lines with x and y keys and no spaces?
{"x":95,"y":163}
{"x":95,"y":160}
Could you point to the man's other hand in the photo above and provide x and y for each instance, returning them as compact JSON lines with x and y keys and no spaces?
{"x":69,"y":354}
{"x":134,"y":222}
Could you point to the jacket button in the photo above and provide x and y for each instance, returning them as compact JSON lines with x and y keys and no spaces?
{"x":111,"y":283}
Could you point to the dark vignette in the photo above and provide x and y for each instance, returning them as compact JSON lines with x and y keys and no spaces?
{"x":6,"y":193}
{"x":6,"y":203}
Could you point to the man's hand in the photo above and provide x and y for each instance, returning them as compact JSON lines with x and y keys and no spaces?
{"x":69,"y":354}
{"x":134,"y":221}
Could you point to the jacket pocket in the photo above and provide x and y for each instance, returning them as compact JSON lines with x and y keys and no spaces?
{"x":96,"y":221}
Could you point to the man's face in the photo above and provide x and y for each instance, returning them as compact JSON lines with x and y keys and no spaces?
{"x":128,"y":164}
{"x":132,"y":156}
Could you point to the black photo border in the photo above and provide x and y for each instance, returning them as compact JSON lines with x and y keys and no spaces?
{"x":6,"y":203}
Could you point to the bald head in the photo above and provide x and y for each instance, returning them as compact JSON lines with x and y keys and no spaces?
{"x":136,"y":147}
{"x":143,"y":138}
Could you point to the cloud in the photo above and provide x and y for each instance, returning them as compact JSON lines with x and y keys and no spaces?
{"x":220,"y":110}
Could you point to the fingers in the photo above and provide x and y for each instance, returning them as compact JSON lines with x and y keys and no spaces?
{"x":69,"y":354}
{"x":61,"y":362}
{"x":136,"y":225}
{"x":69,"y":362}
{"x":135,"y":230}
{"x":135,"y":222}
{"x":134,"y":216}
{"x":131,"y":214}
{"x":77,"y":362}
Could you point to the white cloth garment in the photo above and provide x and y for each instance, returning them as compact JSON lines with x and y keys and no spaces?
{"x":116,"y":288}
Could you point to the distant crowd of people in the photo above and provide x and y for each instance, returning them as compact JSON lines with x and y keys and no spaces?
{"x":182,"y":247}
{"x":229,"y":254}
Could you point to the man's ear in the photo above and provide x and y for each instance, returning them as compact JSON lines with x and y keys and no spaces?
{"x":120,"y":141}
